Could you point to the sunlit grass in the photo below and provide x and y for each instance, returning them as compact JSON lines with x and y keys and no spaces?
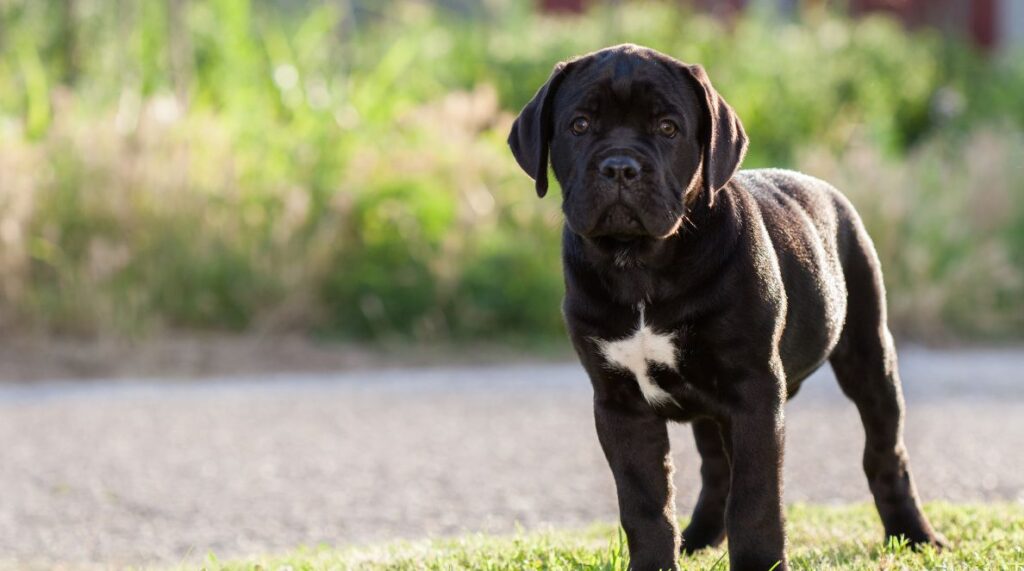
{"x":820,"y":538}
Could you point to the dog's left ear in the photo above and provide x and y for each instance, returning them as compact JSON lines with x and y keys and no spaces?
{"x":532,"y":129}
{"x":723,"y":140}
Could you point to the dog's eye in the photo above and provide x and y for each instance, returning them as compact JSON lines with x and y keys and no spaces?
{"x":580,"y":125}
{"x":668,"y":128}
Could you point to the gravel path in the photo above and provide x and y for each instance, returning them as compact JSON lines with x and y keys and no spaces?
{"x":163,"y":472}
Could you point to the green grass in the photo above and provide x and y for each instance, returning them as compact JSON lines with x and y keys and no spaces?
{"x":849,"y":537}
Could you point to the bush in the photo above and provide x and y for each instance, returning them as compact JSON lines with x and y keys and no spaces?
{"x":946,"y":221}
{"x":237,"y":164}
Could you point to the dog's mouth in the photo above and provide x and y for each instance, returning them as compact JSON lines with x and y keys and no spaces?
{"x":619,"y":223}
{"x":619,"y":241}
{"x":620,"y":233}
{"x":625,"y":250}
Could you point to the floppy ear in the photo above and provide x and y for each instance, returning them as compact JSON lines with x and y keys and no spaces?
{"x":532,"y":129}
{"x":723,"y":140}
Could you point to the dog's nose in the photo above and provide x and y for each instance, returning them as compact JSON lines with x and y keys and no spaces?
{"x":620,"y":168}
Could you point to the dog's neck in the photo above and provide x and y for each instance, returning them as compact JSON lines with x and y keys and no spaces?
{"x":669,"y":269}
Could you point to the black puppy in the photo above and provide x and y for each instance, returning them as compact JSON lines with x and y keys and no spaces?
{"x":696,"y":293}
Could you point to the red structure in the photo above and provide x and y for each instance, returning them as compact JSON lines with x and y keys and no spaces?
{"x":988,"y":24}
{"x":973,"y":19}
{"x":983,"y":23}
{"x":563,"y":6}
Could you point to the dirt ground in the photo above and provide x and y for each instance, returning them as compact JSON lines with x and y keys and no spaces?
{"x":164,"y":471}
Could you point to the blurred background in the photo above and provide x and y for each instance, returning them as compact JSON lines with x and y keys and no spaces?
{"x":245,"y":187}
{"x":338,"y":168}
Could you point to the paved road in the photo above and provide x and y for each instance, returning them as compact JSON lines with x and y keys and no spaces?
{"x":163,"y":472}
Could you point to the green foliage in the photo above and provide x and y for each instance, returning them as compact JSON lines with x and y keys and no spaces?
{"x":509,"y":285}
{"x":847,"y":538}
{"x":382,"y":281}
{"x":239,"y":164}
{"x":946,"y":220}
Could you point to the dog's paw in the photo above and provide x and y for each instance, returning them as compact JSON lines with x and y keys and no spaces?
{"x":935,"y":540}
{"x":697,"y":539}
{"x":920,"y":539}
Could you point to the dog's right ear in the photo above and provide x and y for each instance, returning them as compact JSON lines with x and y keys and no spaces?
{"x":532,"y":130}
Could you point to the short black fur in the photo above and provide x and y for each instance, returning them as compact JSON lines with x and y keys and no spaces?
{"x":758,"y":277}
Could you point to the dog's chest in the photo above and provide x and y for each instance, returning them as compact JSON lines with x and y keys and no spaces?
{"x":640,"y":353}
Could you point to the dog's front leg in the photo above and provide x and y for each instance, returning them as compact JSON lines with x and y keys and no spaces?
{"x":635,"y":442}
{"x":754,"y":514}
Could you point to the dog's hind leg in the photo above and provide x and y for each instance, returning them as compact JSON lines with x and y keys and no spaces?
{"x":865,"y":365}
{"x":707,"y":525}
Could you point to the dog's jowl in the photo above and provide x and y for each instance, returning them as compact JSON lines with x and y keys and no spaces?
{"x":699,"y":293}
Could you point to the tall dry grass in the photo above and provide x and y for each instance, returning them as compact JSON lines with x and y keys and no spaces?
{"x":947,"y":221}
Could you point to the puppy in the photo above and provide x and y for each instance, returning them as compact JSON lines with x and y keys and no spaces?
{"x":700,"y":294}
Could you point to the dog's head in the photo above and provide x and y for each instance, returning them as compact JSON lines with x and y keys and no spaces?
{"x":635,"y":137}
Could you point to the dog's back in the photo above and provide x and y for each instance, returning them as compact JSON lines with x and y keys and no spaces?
{"x":824,"y":254}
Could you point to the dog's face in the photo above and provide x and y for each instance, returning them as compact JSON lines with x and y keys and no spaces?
{"x":635,"y":138}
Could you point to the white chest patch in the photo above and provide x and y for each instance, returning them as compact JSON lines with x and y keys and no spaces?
{"x":635,"y":354}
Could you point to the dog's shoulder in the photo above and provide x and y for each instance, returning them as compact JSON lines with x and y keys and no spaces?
{"x":769,"y":183}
